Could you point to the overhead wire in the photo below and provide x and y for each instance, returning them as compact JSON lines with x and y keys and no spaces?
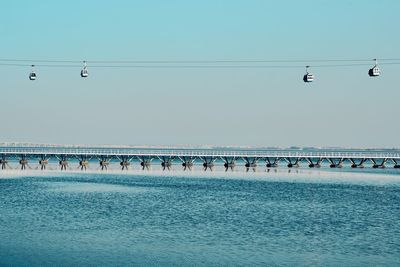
{"x":191,"y":64}
{"x":197,"y":66}
{"x":195,"y":61}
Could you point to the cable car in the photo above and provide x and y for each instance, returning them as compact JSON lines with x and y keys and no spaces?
{"x":374,"y":71}
{"x":32,"y":75}
{"x":308,"y":77}
{"x":84,"y":71}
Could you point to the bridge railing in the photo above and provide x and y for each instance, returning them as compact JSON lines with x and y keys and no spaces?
{"x":193,"y":153}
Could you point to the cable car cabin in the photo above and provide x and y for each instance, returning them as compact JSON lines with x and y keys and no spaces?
{"x":374,"y":72}
{"x":84,"y":73}
{"x":32,"y":76}
{"x":309,"y":77}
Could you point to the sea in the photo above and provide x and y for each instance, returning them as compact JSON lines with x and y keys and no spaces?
{"x":279,"y":217}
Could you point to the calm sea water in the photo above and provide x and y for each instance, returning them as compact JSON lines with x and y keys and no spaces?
{"x":119,"y":220}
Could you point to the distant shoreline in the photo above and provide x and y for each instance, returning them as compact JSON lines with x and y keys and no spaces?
{"x":299,"y":148}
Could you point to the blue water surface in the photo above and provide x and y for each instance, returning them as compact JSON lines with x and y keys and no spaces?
{"x":141,"y":220}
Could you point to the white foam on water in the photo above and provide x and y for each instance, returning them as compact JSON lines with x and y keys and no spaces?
{"x":82,"y":187}
{"x":284,"y":175}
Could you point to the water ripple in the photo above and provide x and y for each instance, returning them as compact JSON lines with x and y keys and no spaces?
{"x":119,"y":220}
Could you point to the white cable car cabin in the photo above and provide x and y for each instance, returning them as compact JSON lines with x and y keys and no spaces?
{"x":308,"y":77}
{"x":374,"y":71}
{"x":32,"y":75}
{"x":84,"y":71}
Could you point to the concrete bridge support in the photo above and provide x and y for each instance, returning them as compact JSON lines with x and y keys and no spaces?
{"x":166,"y":162}
{"x":24,"y":162}
{"x":377,"y":165}
{"x":83,"y":162}
{"x":145,"y":162}
{"x":272,"y":163}
{"x":43,"y":162}
{"x":4,"y":163}
{"x":63,"y":162}
{"x":229,"y":163}
{"x":104,"y":162}
{"x":187,"y":162}
{"x":396,"y":164}
{"x":208,"y":163}
{"x":125,"y":162}
{"x":250,"y":163}
{"x":357,"y":164}
{"x":313,"y":164}
{"x":291,"y":163}
{"x":335,"y":163}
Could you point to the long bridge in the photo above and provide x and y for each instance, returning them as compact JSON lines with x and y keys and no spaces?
{"x":23,"y":157}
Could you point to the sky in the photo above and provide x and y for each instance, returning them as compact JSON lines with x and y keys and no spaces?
{"x":343,"y":107}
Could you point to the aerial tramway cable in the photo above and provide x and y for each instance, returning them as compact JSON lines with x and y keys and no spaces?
{"x":201,"y":64}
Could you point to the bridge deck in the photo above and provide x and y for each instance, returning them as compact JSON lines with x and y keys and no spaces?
{"x":131,"y":152}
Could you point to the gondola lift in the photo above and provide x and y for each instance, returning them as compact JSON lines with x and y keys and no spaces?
{"x":374,"y":71}
{"x":84,"y":71}
{"x":32,"y":75}
{"x":308,"y":77}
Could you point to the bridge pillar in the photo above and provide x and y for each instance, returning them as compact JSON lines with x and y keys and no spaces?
{"x":43,"y":161}
{"x":311,"y":163}
{"x":63,"y":162}
{"x":166,"y":162}
{"x":354,"y":164}
{"x":145,"y":162}
{"x":208,"y":163}
{"x":23,"y":162}
{"x":333,"y":164}
{"x":291,"y":164}
{"x":125,"y":162}
{"x":43,"y":164}
{"x":187,"y":162}
{"x":104,"y":163}
{"x":378,"y":166}
{"x":250,"y":163}
{"x":4,"y":162}
{"x":83,"y":162}
{"x":229,"y":163}
{"x":396,"y":165}
{"x":272,"y":163}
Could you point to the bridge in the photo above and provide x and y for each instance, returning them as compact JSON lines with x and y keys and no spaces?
{"x":23,"y":157}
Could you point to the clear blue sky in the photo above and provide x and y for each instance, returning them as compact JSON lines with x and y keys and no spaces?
{"x":258,"y":107}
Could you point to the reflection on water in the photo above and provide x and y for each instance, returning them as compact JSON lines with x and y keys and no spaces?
{"x":215,"y":219}
{"x":83,"y":187}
